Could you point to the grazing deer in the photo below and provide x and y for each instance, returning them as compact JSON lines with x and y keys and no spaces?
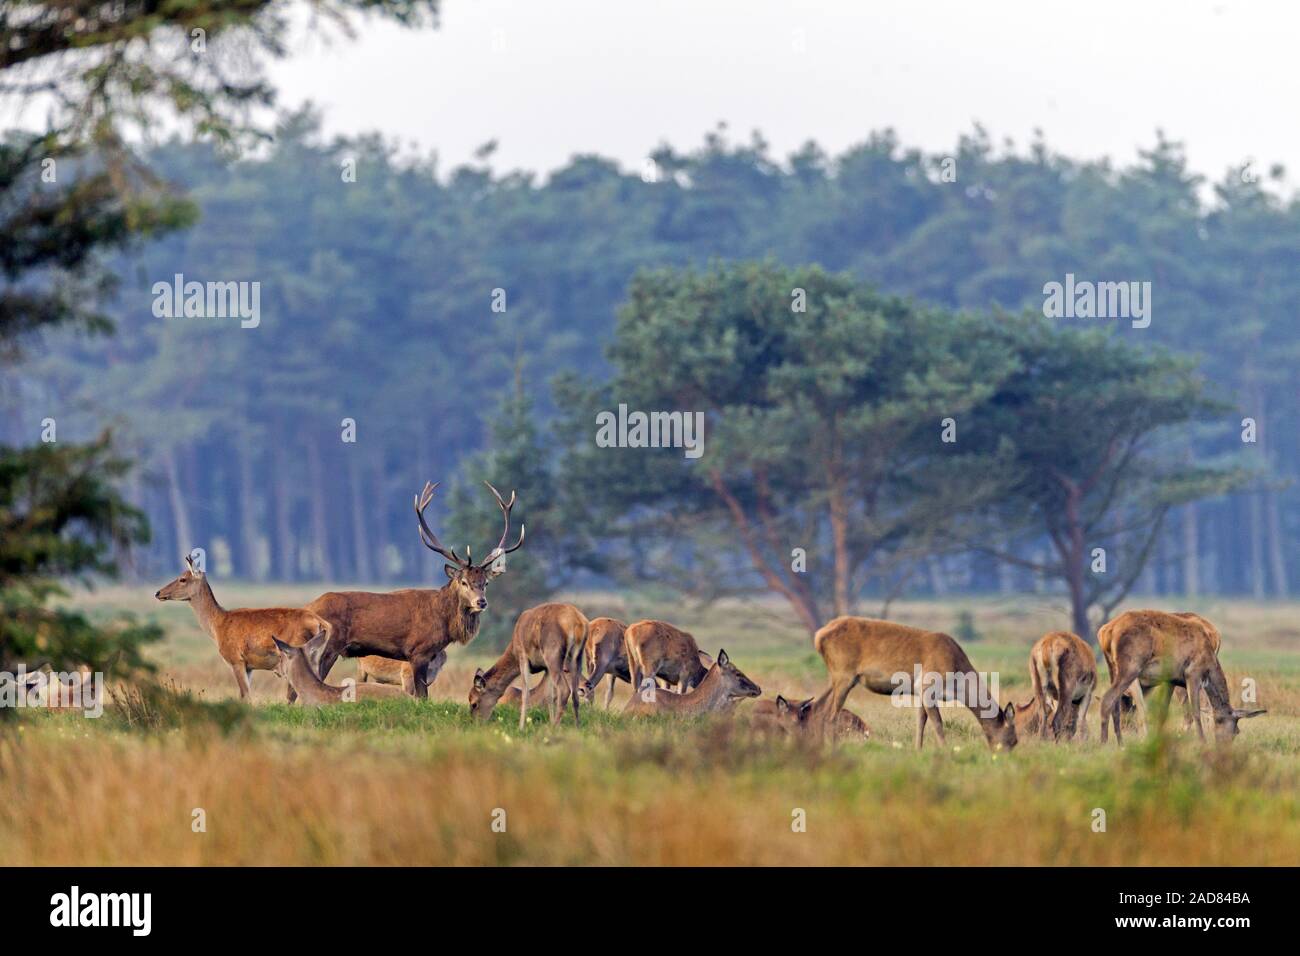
{"x":1135,"y":702}
{"x":294,"y":665}
{"x":243,"y":636}
{"x":605,"y":656}
{"x":886,"y":657}
{"x":548,"y":637}
{"x":1158,"y":649}
{"x":657,"y":649}
{"x":1062,"y":667}
{"x":415,"y":625}
{"x":385,"y":670}
{"x":722,"y":685}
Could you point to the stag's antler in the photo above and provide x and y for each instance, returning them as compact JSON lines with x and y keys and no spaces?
{"x":426,"y":535}
{"x":501,"y":550}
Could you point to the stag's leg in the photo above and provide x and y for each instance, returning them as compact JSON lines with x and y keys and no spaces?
{"x":419,"y":673}
{"x":241,"y":678}
{"x":920,"y":727}
{"x":1110,"y":702}
{"x":609,"y":692}
{"x":1194,"y":701}
{"x":434,"y":668}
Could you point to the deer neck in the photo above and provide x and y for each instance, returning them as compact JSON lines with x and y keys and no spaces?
{"x":207,"y":610}
{"x":501,"y":675}
{"x":303,"y":679}
{"x":462,"y":624}
{"x":709,"y":694}
{"x":1216,"y":689}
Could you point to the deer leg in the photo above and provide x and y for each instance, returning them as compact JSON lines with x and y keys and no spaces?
{"x":920,"y":727}
{"x":290,"y":695}
{"x":523,"y":697}
{"x":1110,"y":703}
{"x":434,"y":668}
{"x":1194,"y":702}
{"x":937,"y":720}
{"x":609,"y":693}
{"x":1040,"y":698}
{"x":555,"y":669}
{"x":241,"y":678}
{"x":1083,"y":714}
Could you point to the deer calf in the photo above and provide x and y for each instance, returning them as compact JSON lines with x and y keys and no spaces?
{"x":657,"y":649}
{"x":548,"y":637}
{"x":385,"y":670}
{"x":799,"y":716}
{"x":1158,"y":649}
{"x":294,"y":666}
{"x":1062,"y":667}
{"x":888,"y":658}
{"x":721,"y":685}
{"x":243,"y":635}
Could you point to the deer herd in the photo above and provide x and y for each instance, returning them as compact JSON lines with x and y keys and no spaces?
{"x":401,"y":639}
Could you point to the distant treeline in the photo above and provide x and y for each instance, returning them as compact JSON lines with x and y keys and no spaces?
{"x":414,"y":302}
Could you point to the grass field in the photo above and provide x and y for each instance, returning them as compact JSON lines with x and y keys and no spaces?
{"x":405,"y":782}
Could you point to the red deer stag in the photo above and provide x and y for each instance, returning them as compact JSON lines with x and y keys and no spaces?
{"x":243,"y":636}
{"x":886,"y":657}
{"x":1158,"y":649}
{"x":548,"y":637}
{"x":1063,"y":669}
{"x":415,"y":625}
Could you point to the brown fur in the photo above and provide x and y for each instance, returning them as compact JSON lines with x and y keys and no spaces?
{"x":722,"y":684}
{"x":385,"y":670}
{"x":295,"y":667}
{"x":1063,"y":669}
{"x":605,"y":656}
{"x":657,"y":649}
{"x":797,"y":716}
{"x":243,"y":636}
{"x":873,"y":653}
{"x":548,"y":637}
{"x":1159,"y":649}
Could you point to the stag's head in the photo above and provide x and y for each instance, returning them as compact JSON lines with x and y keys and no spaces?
{"x":468,"y":579}
{"x":184,"y":588}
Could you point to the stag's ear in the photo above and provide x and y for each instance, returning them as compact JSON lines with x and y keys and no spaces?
{"x":723,"y":659}
{"x":782,"y":705}
{"x":451,"y":570}
{"x":1009,"y":715}
{"x":1242,"y":714}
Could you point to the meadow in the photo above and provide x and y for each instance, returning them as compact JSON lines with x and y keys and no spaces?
{"x":407,"y":782}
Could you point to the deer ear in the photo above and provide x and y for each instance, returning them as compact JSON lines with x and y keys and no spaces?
{"x":782,"y":705}
{"x":281,"y":646}
{"x":723,"y":659}
{"x":1009,"y":715}
{"x":1242,"y":714}
{"x":451,"y":571}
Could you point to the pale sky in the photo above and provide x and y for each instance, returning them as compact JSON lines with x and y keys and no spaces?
{"x":548,"y":78}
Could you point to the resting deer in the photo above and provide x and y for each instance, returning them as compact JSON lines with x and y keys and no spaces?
{"x":1062,"y":667}
{"x":243,"y":636}
{"x":885,"y":657}
{"x":722,"y":685}
{"x":415,"y":624}
{"x":657,"y":649}
{"x":548,"y":637}
{"x":385,"y":670}
{"x":1158,"y":649}
{"x":294,"y":666}
{"x":799,"y":716}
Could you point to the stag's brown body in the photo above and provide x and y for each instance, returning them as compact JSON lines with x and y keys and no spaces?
{"x":1159,"y":649}
{"x":548,"y":637}
{"x":884,"y":657}
{"x":243,"y":635}
{"x":1063,"y":669}
{"x":415,"y":625}
{"x":723,"y":683}
{"x":658,"y":649}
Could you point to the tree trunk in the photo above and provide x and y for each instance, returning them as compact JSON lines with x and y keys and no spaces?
{"x":319,"y":518}
{"x":1276,"y":557}
{"x":180,"y":516}
{"x":1256,"y":525}
{"x":1191,"y":552}
{"x":248,"y":523}
{"x":286,"y":549}
{"x":360,"y":521}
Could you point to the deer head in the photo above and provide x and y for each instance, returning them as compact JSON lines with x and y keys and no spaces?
{"x":733,"y":679}
{"x":469,"y":580}
{"x":1225,"y":724}
{"x":184,"y":588}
